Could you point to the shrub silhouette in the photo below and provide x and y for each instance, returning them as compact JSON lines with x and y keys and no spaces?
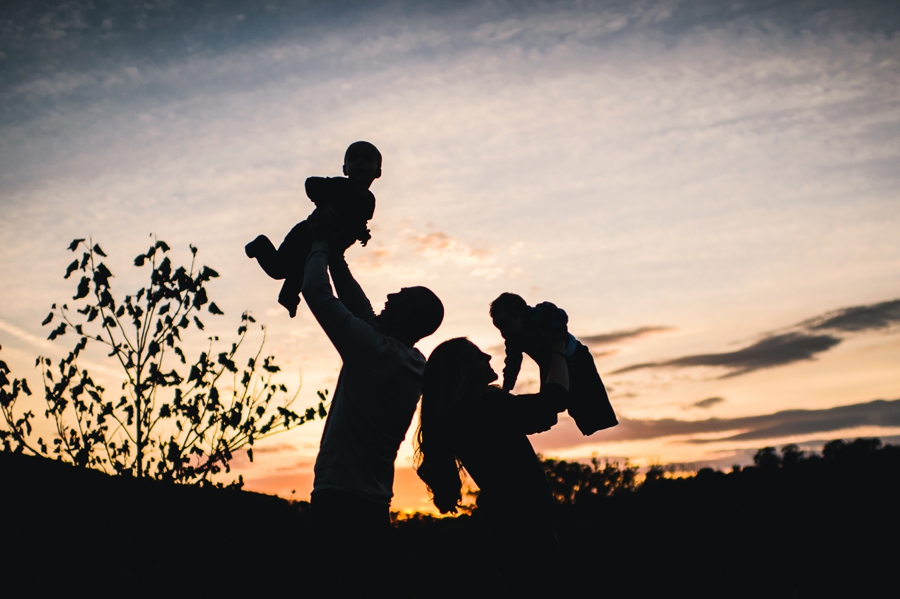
{"x":180,"y":422}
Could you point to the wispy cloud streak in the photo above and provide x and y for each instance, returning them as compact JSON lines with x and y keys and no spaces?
{"x":777,"y":350}
{"x":619,"y":336}
{"x":785,"y":423}
{"x":793,"y":346}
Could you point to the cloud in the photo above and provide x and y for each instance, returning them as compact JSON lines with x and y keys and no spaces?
{"x":859,"y":318}
{"x":440,"y":244}
{"x":25,"y":335}
{"x":618,"y":336}
{"x":776,"y":350}
{"x":277,"y":448}
{"x":802,"y":343}
{"x":769,"y":426}
{"x":440,"y":248}
{"x":705,"y":403}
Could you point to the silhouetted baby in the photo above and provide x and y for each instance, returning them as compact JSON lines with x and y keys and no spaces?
{"x":530,"y":330}
{"x":344,"y":206}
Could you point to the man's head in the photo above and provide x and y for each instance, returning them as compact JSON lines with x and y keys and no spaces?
{"x":362,"y":162}
{"x":411,"y":314}
{"x":509,"y":312}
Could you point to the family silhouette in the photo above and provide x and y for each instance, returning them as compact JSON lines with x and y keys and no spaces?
{"x":467,"y":425}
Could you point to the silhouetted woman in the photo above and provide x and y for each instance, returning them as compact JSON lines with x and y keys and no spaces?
{"x":468,"y":423}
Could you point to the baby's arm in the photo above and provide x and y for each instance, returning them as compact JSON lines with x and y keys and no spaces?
{"x":319,"y":189}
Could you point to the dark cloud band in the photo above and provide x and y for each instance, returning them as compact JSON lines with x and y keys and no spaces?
{"x":879,"y":413}
{"x":860,"y":318}
{"x":786,"y":348}
{"x":618,"y":336}
{"x":776,"y":350}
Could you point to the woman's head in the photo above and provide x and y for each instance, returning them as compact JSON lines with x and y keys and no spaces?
{"x":454,"y":369}
{"x":454,"y":366}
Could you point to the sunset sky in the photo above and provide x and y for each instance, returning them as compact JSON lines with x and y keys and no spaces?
{"x":710,"y":189}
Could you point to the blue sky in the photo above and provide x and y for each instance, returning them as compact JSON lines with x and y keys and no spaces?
{"x":685,"y":178}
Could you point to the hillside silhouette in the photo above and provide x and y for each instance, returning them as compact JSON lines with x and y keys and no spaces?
{"x":793,"y":525}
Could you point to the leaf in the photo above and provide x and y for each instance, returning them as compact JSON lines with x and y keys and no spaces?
{"x":106,"y":299}
{"x":153,"y":349}
{"x":97,"y":250}
{"x":226,"y":362}
{"x":164,"y":271}
{"x":48,"y":319}
{"x":139,"y":260}
{"x":207,"y":273}
{"x":200,"y":298}
{"x":60,"y":330}
{"x":102,"y":275}
{"x":198,"y":323}
{"x":162,"y":245}
{"x":214,"y":309}
{"x":193,"y":250}
{"x":84,"y":287}
{"x":71,"y":268}
{"x":74,"y":245}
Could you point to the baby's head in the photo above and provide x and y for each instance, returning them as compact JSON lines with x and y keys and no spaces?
{"x":362,"y":162}
{"x":509,"y":313}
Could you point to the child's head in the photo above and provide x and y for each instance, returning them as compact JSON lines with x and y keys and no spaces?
{"x":509,"y":312}
{"x":362,"y":161}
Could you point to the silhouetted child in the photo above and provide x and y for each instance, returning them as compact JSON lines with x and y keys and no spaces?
{"x":530,"y":330}
{"x":344,"y":206}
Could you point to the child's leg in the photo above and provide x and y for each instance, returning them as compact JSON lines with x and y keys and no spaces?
{"x":292,"y":253}
{"x":266,"y":255}
{"x":588,"y":401}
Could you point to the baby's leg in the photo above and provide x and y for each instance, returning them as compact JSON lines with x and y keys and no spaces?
{"x":266,"y":255}
{"x":292,"y":253}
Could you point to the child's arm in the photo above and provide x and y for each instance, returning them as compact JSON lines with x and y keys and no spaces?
{"x":319,"y":189}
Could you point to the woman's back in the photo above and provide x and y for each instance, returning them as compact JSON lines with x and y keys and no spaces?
{"x":494,"y":449}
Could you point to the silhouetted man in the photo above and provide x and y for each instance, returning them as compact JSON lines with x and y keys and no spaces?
{"x":376,"y":395}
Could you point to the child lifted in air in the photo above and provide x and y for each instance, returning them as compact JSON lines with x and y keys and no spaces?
{"x":531,"y":330}
{"x":344,"y":206}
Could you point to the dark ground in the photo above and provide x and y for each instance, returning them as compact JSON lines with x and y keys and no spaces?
{"x":790,"y":527}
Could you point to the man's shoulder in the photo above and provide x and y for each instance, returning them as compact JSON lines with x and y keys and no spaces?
{"x":404,"y":353}
{"x":389,"y":350}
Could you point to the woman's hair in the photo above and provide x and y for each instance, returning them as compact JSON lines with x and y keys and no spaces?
{"x":444,"y":386}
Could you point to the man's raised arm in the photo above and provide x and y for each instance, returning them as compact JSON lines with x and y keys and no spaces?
{"x":349,"y":334}
{"x":348,"y":290}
